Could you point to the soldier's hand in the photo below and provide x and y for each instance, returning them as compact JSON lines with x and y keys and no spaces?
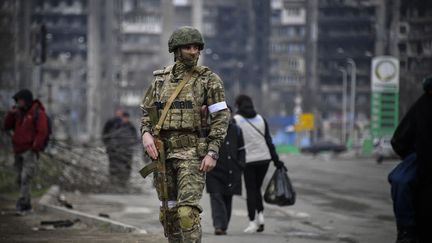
{"x":207,"y":164}
{"x":149,"y":145}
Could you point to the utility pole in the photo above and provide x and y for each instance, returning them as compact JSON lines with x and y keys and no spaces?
{"x":38,"y":56}
{"x":344,"y":103}
{"x":311,"y":100}
{"x":167,"y":27}
{"x":94,"y":72}
{"x":297,"y":113}
{"x":353,"y":74}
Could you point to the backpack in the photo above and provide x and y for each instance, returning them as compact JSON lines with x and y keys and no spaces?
{"x":49,"y":121}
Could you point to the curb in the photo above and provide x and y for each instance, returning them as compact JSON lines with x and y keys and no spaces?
{"x":46,"y":204}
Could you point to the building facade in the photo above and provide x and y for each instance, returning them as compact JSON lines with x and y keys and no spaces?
{"x":410,"y":40}
{"x":346,"y":40}
{"x":16,"y":58}
{"x":141,"y":50}
{"x":81,"y":60}
{"x":287,"y":55}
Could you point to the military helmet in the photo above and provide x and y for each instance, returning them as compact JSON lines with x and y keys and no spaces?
{"x":427,"y":84}
{"x":184,"y":36}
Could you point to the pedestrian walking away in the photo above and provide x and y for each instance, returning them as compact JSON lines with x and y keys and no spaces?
{"x":414,"y":135}
{"x":259,"y":152}
{"x":184,"y":123}
{"x":29,"y":123}
{"x":224,"y":180}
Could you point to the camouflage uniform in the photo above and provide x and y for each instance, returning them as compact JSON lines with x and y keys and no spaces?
{"x":180,"y":134}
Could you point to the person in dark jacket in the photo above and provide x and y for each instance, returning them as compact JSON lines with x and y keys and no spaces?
{"x":259,"y":152}
{"x":125,"y":139}
{"x":109,"y":133}
{"x":414,"y":134}
{"x":29,"y":123}
{"x":110,"y":126}
{"x":224,"y":180}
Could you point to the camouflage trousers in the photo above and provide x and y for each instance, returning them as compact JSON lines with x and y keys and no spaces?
{"x":185,"y":182}
{"x":25,"y":166}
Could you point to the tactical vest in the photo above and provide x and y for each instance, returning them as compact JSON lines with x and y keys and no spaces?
{"x":184,"y":113}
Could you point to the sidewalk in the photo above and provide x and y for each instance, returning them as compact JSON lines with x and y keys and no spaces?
{"x":28,"y":229}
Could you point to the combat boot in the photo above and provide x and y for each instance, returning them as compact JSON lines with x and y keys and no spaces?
{"x":176,"y":237}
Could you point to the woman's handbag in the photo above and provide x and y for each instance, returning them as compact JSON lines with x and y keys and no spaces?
{"x":279,"y":190}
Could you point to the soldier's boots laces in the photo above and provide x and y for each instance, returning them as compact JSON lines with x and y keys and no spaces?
{"x":406,"y":235}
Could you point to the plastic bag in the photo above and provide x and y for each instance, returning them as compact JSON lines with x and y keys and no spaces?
{"x":279,"y":190}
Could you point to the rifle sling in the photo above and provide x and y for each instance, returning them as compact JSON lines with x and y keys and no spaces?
{"x":168,"y":104}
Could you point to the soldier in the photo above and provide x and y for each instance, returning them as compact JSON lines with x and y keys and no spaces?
{"x":190,"y":139}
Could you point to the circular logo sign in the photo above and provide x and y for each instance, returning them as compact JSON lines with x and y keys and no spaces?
{"x":385,"y":70}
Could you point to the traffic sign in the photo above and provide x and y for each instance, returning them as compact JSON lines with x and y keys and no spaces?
{"x":305,"y":122}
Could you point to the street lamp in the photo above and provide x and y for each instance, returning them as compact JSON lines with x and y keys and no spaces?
{"x":344,"y":102}
{"x":353,"y":74}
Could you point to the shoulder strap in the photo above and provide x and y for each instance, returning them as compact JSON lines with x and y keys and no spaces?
{"x":252,"y":125}
{"x":180,"y":86}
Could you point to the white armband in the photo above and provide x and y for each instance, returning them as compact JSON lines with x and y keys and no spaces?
{"x":217,"y":107}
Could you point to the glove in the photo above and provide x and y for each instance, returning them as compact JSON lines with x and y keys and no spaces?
{"x":280,"y":165}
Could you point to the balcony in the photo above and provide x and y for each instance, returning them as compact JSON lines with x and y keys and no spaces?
{"x":291,"y":39}
{"x":361,"y":37}
{"x":141,"y":48}
{"x":143,"y":28}
{"x":67,"y":46}
{"x":337,"y":88}
{"x":62,"y":8}
{"x":324,"y":20}
{"x":67,"y":30}
{"x":420,"y":20}
{"x":419,"y":35}
{"x":59,"y":13}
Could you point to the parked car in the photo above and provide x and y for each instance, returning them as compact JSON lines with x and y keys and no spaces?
{"x":383,"y":149}
{"x":324,"y":146}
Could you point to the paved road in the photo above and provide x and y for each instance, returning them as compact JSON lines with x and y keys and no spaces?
{"x":339,"y":200}
{"x":352,"y":196}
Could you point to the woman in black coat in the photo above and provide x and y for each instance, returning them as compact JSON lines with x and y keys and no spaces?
{"x":224,"y":180}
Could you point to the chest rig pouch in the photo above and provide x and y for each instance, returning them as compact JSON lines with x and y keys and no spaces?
{"x":184,"y":113}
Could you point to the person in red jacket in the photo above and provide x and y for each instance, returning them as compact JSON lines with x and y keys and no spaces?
{"x":29,"y":125}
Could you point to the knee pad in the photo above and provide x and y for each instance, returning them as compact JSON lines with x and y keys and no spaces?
{"x":188,"y":217}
